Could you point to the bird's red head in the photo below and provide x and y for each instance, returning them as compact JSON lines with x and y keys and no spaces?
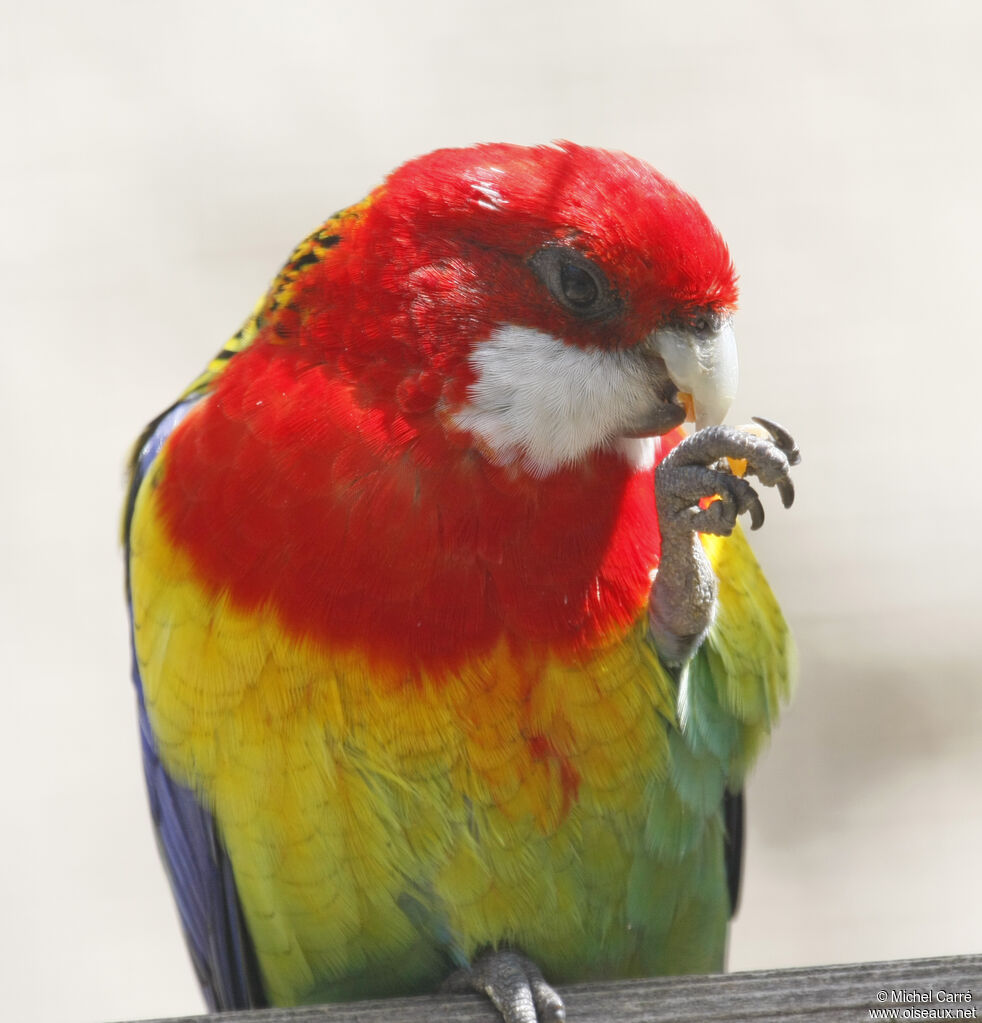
{"x":495,"y":207}
{"x":550,"y":301}
{"x":471,"y":272}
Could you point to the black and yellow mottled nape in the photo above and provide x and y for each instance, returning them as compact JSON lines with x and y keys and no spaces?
{"x":308,"y":253}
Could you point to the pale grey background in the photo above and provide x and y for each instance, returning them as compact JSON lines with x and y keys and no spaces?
{"x":160,"y":160}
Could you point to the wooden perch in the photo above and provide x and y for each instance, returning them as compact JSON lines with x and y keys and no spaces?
{"x":821,"y":994}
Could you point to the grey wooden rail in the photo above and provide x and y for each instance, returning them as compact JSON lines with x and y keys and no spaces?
{"x":949,"y":988}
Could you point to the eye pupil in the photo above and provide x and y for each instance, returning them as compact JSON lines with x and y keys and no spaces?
{"x":579,"y":287}
{"x":575,"y":283}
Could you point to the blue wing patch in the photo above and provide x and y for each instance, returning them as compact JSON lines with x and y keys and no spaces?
{"x":200,"y":871}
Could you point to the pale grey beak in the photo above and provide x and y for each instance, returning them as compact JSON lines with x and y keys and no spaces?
{"x":703,"y":367}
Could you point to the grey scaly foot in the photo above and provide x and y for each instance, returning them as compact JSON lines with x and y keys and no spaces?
{"x":515,"y":985}
{"x":683,"y":599}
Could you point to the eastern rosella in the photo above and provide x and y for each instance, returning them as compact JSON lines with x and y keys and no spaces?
{"x":449,"y":654}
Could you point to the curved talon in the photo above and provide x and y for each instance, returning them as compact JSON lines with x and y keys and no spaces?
{"x":746,"y":499}
{"x":756,"y":510}
{"x":781,"y":438}
{"x":786,"y":489}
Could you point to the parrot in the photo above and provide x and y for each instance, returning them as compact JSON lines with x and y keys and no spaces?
{"x":451,"y":656}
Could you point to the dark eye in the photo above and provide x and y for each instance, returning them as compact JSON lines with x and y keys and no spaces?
{"x":575,"y":282}
{"x":579,"y":288}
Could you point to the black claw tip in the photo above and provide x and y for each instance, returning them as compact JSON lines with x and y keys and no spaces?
{"x":786,"y":489}
{"x":756,"y":510}
{"x":781,"y":438}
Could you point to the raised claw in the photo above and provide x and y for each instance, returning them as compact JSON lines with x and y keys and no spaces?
{"x":768,"y":455}
{"x":698,"y":490}
{"x":783,"y":440}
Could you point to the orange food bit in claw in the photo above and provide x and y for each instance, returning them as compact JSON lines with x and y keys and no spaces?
{"x":688,"y":405}
{"x":738,"y":466}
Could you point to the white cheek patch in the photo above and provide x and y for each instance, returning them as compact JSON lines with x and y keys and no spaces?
{"x":544,"y":404}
